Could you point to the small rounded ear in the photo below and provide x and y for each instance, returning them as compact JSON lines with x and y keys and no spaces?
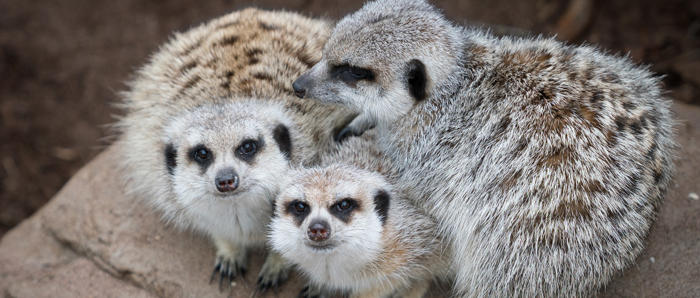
{"x":416,"y":79}
{"x":381,"y":205}
{"x":170,"y":155}
{"x":283,"y":139}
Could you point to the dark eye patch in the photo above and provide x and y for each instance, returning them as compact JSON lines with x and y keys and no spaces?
{"x":248,"y":148}
{"x":351,"y":74}
{"x":202,"y":156}
{"x":170,"y":155}
{"x":344,"y":208}
{"x":299,"y":210}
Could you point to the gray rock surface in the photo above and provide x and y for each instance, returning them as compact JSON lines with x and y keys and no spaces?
{"x":91,"y":240}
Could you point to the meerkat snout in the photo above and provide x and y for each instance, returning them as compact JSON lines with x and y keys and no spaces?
{"x":319,"y":230}
{"x":226,"y":180}
{"x":300,"y":85}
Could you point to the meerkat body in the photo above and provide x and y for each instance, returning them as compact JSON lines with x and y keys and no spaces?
{"x":246,"y":54}
{"x":543,"y":164}
{"x":222,"y":161}
{"x":348,"y":231}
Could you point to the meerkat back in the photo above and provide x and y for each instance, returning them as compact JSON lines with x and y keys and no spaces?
{"x":249,"y":53}
{"x":544,"y":164}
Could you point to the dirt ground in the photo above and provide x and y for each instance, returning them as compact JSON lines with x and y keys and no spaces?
{"x":62,"y":64}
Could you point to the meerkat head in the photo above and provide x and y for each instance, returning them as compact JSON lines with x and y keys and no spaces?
{"x":334,"y":214}
{"x":384,"y":58}
{"x":228,"y":151}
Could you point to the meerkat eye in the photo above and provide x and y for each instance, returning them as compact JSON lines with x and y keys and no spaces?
{"x":298,"y":208}
{"x":201,"y":154}
{"x":248,"y":148}
{"x":360,"y":73}
{"x":351,"y":74}
{"x":344,"y":205}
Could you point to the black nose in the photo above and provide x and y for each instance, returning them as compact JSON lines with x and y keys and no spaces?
{"x":299,"y":89}
{"x":319,"y":230}
{"x":226,"y":180}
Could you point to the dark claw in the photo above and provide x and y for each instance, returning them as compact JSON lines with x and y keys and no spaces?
{"x":303,"y":292}
{"x":345,"y":133}
{"x":261,"y":285}
{"x":225,"y":269}
{"x":216,"y":270}
{"x":231,"y":276}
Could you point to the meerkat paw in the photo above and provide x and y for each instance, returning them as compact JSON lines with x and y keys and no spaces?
{"x":311,"y":291}
{"x":274,"y":272}
{"x":355,"y":128}
{"x":345,"y":133}
{"x":231,"y":261}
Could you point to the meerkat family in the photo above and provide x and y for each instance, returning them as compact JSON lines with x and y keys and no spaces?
{"x":543,"y":164}
{"x":511,"y":166}
{"x":345,"y":227}
{"x":181,"y":155}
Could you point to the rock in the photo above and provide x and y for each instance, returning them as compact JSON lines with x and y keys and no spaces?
{"x":92,"y":240}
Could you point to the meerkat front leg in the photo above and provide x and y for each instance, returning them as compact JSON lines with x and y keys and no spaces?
{"x":274,"y":271}
{"x":356,"y":127}
{"x":231,"y":261}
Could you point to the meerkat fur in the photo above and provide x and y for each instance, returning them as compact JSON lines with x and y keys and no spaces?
{"x":246,"y":54}
{"x":544,"y":164}
{"x":380,"y":246}
{"x":221,"y":159}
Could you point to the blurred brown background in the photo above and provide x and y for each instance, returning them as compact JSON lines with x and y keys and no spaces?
{"x":62,"y":64}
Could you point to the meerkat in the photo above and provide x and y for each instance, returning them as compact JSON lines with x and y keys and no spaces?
{"x":222,"y":161}
{"x":543,"y":164}
{"x":245,"y":54}
{"x":349,"y":232}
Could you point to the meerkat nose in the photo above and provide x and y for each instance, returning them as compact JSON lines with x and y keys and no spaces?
{"x":298,"y":90}
{"x":226,"y":180}
{"x":300,"y":85}
{"x":319,"y":230}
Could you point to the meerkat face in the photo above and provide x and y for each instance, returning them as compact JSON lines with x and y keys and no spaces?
{"x":335,"y":214}
{"x":224,"y":152}
{"x":383,"y":59}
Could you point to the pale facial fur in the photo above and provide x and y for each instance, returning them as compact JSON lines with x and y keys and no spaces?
{"x":353,"y":243}
{"x":239,"y":215}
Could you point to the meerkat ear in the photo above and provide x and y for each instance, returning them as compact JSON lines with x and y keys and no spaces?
{"x":284,"y":141}
{"x":381,"y":205}
{"x":170,"y":154}
{"x":416,"y":79}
